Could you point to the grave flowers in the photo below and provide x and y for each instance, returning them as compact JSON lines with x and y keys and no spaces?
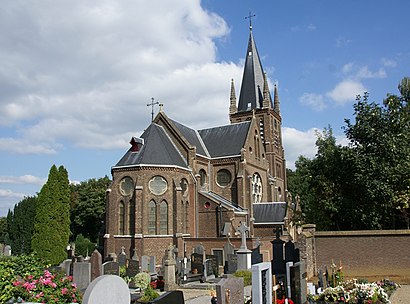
{"x":47,"y":288}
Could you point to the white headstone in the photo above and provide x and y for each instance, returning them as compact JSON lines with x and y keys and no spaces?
{"x":107,"y":289}
{"x":261,"y":283}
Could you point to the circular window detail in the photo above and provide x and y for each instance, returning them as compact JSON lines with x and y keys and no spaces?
{"x":223,"y":178}
{"x":256,"y":188}
{"x":158,"y":185}
{"x":126,"y":186}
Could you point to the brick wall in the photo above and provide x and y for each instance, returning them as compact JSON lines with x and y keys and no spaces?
{"x":366,"y":254}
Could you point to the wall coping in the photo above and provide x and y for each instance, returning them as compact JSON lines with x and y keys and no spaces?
{"x":361,"y":233}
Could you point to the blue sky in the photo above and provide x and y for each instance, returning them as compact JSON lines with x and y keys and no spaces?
{"x":75,"y":76}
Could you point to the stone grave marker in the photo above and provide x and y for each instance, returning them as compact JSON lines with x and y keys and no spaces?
{"x":244,"y":254}
{"x":230,"y":290}
{"x":231,"y":264}
{"x":174,"y":297}
{"x":152,"y":268}
{"x":278,"y":262}
{"x":133,"y":268}
{"x":65,"y":265}
{"x":214,"y":263}
{"x":122,"y":257}
{"x":291,"y":253}
{"x":107,"y":289}
{"x":208,"y":270}
{"x":169,"y":269}
{"x":256,"y":256}
{"x":96,"y":264}
{"x":7,"y":250}
{"x":197,"y":263}
{"x":261,"y":283}
{"x":298,"y":282}
{"x":112,"y":268}
{"x":145,"y":263}
{"x":82,"y":275}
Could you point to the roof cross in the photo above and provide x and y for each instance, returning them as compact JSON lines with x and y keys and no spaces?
{"x":250,"y":19}
{"x":152,"y":104}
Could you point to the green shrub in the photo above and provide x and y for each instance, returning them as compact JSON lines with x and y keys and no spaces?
{"x":149,"y":295}
{"x":142,"y":280}
{"x":83,"y":246}
{"x":246,"y":275}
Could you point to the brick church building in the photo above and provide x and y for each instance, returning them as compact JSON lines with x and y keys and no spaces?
{"x":184,"y":186}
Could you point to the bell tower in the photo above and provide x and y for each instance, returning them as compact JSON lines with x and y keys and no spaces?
{"x":255,"y":102}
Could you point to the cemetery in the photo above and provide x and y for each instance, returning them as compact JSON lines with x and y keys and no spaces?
{"x":242,"y":279}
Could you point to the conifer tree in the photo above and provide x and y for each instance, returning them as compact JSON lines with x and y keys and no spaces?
{"x":52,"y":221}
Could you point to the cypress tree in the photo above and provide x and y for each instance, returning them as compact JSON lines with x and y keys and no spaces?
{"x":52,"y":220}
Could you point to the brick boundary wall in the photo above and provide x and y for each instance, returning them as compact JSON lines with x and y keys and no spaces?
{"x":371,"y":254}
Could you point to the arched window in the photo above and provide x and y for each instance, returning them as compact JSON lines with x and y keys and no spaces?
{"x":256,"y":188}
{"x":152,"y":217}
{"x":202,"y":177}
{"x":121,"y":218}
{"x":131,"y":217}
{"x":184,"y":186}
{"x":163,"y":218}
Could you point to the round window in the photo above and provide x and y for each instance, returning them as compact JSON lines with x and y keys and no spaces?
{"x":223,"y":178}
{"x":126,"y":186}
{"x":158,"y":185}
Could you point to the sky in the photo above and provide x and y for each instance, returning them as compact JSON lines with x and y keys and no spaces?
{"x":76,"y":76}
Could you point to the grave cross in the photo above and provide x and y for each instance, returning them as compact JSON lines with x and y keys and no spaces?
{"x":152,"y":104}
{"x":242,"y":229}
{"x":250,"y":16}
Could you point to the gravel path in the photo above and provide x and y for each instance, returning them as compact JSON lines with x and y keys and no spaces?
{"x":401,"y":296}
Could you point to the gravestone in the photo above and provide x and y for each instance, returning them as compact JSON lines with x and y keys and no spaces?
{"x":145,"y":261}
{"x":244,"y":254}
{"x":66,"y":265}
{"x":82,"y":275}
{"x":122,"y":257}
{"x":230,"y":290}
{"x":214,"y":263}
{"x":107,"y":289}
{"x":197,"y":263}
{"x":262,"y":283}
{"x":132,"y":268}
{"x":298,"y":283}
{"x":256,"y":256}
{"x":208,"y":270}
{"x":169,"y":269}
{"x":96,"y":264}
{"x":231,"y":264}
{"x":174,"y":297}
{"x":152,"y":264}
{"x":112,"y":268}
{"x":291,"y":253}
{"x":7,"y":250}
{"x":278,"y":262}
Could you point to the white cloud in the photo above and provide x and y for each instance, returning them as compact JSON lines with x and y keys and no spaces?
{"x":346,"y":91}
{"x":92,"y":68}
{"x":315,"y":101}
{"x":389,"y":62}
{"x":298,"y":143}
{"x":347,"y":68}
{"x":24,"y":179}
{"x":364,"y":72}
{"x":342,"y":42}
{"x":10,"y":194}
{"x":311,"y":27}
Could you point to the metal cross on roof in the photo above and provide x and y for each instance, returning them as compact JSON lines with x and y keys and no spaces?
{"x":250,"y":19}
{"x":152,"y":104}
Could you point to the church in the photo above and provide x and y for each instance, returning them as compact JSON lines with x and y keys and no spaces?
{"x":187,"y":187}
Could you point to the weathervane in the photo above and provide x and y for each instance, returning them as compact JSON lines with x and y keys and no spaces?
{"x":250,"y":19}
{"x":152,"y":104}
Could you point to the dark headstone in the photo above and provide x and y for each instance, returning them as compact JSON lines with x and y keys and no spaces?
{"x":197,"y":262}
{"x":122,"y":257}
{"x":298,"y":283}
{"x":199,"y":249}
{"x":230,"y":290}
{"x":111,"y":268}
{"x":133,"y":268}
{"x":278,"y":262}
{"x":231,"y":264}
{"x":256,"y":256}
{"x":174,"y":297}
{"x":96,"y":264}
{"x":291,"y":253}
{"x":228,"y":249}
{"x":214,"y":263}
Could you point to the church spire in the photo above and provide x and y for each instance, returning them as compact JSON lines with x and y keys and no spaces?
{"x":232,"y":108}
{"x":251,"y":94}
{"x":267,"y":100}
{"x":276,"y":104}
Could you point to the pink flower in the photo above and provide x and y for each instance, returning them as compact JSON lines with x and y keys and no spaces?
{"x":39,"y":295}
{"x":64,"y":291}
{"x":16,"y":283}
{"x":74,"y":285}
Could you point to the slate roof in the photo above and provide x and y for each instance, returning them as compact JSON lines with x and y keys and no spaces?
{"x":269,"y":213}
{"x":251,"y":95}
{"x":225,"y":140}
{"x":158,"y":149}
{"x":193,"y":137}
{"x":222,"y":201}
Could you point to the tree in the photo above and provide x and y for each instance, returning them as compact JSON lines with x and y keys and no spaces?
{"x":380,"y":141}
{"x":3,"y":229}
{"x":52,"y":220}
{"x":21,"y":225}
{"x":88,"y":207}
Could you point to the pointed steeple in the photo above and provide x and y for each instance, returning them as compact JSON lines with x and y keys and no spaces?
{"x":251,"y":95}
{"x":267,"y":100}
{"x":276,"y":104}
{"x":232,"y":108}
